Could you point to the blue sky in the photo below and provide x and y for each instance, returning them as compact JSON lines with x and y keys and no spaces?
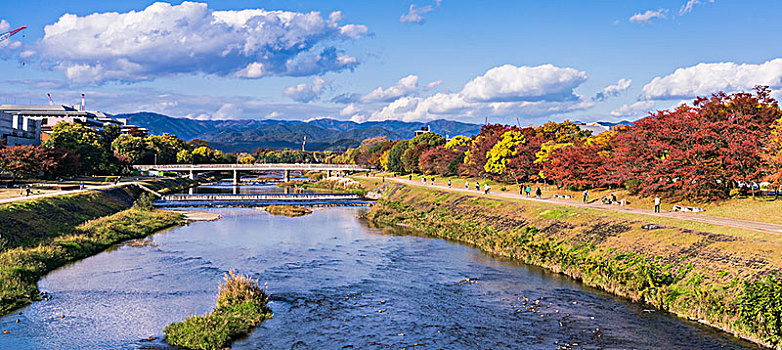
{"x":406,"y":60}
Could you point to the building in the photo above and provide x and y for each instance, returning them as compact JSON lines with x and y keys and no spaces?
{"x":424,"y":130}
{"x":47,"y":116}
{"x":18,"y":131}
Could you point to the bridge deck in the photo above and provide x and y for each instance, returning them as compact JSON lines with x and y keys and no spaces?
{"x":276,"y":167}
{"x":259,"y":197}
{"x":209,"y":200}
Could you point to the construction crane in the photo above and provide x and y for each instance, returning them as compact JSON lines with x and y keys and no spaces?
{"x":7,"y":35}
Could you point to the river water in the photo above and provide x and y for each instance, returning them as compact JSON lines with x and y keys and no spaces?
{"x":336,"y":283}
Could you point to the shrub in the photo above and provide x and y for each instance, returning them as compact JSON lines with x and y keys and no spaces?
{"x":241,"y":305}
{"x":145,"y":202}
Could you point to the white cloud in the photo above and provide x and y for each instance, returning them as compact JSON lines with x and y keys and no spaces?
{"x":613,"y":90}
{"x":510,"y":83}
{"x":434,"y":84}
{"x":414,"y":13}
{"x":306,"y":92}
{"x":690,"y":5}
{"x":350,"y":109}
{"x":501,"y":92}
{"x":649,"y":16}
{"x":707,"y":78}
{"x":190,"y":38}
{"x":634,"y":109}
{"x":404,"y":87}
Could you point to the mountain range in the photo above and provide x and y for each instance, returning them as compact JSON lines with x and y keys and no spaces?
{"x":246,"y":135}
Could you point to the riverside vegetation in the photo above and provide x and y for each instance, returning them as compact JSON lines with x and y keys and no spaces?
{"x":287,"y":210}
{"x":241,"y":305}
{"x":41,"y":235}
{"x":729,"y":281}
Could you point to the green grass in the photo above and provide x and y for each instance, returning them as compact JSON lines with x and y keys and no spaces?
{"x":287,"y":210}
{"x":241,"y":305}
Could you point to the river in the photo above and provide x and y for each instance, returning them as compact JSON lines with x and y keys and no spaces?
{"x":336,"y":283}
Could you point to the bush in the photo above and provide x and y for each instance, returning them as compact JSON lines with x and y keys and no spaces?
{"x":241,"y":305}
{"x":145,"y":202}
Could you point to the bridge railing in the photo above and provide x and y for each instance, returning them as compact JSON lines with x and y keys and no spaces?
{"x":261,"y":166}
{"x":251,"y":197}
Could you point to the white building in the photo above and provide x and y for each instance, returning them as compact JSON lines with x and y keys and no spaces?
{"x":17,"y":130}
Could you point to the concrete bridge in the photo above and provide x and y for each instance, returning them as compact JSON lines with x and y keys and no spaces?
{"x":194,"y":169}
{"x":246,"y":199}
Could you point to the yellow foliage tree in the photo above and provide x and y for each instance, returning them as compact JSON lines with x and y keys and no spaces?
{"x":498,"y":156}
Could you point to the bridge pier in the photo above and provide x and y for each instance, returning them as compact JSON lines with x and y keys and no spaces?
{"x":287,"y":176}
{"x":328,"y":173}
{"x":193,"y":175}
{"x":236,"y":177}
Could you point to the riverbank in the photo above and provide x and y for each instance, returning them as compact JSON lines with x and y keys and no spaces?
{"x":40,"y":235}
{"x":721,"y":279}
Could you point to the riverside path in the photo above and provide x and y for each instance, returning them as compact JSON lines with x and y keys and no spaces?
{"x":708,"y":219}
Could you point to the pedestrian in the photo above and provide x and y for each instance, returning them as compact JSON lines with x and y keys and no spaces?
{"x":486,"y":188}
{"x":432,"y":181}
{"x":410,"y":177}
{"x":656,"y":204}
{"x":586,"y":196}
{"x":477,"y":187}
{"x":423,"y":180}
{"x":528,"y":190}
{"x":538,"y":192}
{"x":81,"y":185}
{"x":521,"y":189}
{"x":613,"y":198}
{"x":466,"y":185}
{"x":384,"y":178}
{"x":27,"y":192}
{"x":449,"y":183}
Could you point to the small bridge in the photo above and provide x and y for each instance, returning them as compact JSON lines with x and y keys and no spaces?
{"x":193,"y":169}
{"x":250,"y":199}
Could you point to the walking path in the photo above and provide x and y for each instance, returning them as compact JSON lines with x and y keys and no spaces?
{"x":714,"y":220}
{"x":63,"y":193}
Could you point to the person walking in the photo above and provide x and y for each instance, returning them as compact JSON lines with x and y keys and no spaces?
{"x":423,"y":180}
{"x":521,"y":189}
{"x":81,"y":185}
{"x":538,"y":192}
{"x":613,"y":198}
{"x":410,"y":177}
{"x":528,"y":190}
{"x":477,"y":187}
{"x":449,"y":183}
{"x":656,"y":204}
{"x":586,"y":196}
{"x":433,"y":181}
{"x":467,"y":185}
{"x":486,"y":188}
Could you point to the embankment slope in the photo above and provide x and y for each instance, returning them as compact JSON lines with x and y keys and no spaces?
{"x":727,"y":281}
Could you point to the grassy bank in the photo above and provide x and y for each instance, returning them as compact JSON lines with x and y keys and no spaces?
{"x":40,"y":235}
{"x":21,"y":267}
{"x":241,"y":305}
{"x":724,"y":280}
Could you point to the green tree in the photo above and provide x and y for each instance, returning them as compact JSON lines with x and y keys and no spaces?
{"x":130,"y":147}
{"x":428,"y":138}
{"x":395,"y":157}
{"x":166,"y":147}
{"x":94,"y":154}
{"x":184,"y":157}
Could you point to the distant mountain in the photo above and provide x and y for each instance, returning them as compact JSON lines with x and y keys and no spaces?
{"x":322,"y":134}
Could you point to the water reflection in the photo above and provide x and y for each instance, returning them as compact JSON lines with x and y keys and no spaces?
{"x":336,"y":283}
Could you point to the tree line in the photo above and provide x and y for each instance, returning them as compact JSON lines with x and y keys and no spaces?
{"x":706,"y":151}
